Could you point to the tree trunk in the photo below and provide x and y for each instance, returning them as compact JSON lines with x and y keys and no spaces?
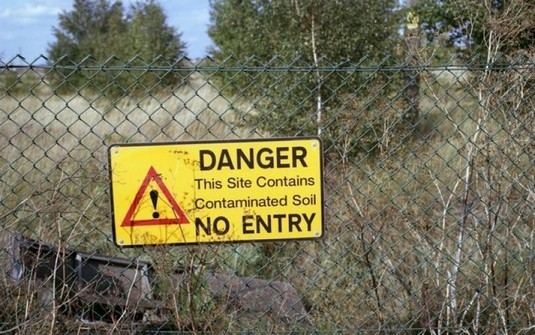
{"x":412,"y":75}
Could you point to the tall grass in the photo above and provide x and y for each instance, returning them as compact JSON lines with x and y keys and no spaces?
{"x":432,"y":234}
{"x":425,"y":237}
{"x":50,"y":142}
{"x":54,"y":171}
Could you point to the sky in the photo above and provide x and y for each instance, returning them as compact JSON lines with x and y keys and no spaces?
{"x":26,"y":25}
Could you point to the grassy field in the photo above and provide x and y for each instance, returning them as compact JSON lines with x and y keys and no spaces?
{"x":433,"y":232}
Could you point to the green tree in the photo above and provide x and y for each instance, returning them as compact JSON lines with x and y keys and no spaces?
{"x":91,"y":28}
{"x":316,"y":38}
{"x":336,"y":29}
{"x":470,"y":24}
{"x":150,"y":33}
{"x":103,"y":34}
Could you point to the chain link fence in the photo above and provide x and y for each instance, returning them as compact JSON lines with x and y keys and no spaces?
{"x":429,"y":198}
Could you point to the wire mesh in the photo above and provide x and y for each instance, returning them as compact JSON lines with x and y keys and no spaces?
{"x":429,"y":197}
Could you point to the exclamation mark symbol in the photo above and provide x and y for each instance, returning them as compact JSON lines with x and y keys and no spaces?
{"x":154,"y":198}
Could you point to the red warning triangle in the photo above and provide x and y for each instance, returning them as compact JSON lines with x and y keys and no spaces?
{"x":179,"y":216}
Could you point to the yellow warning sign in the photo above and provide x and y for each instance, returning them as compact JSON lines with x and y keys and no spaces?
{"x":217,"y":191}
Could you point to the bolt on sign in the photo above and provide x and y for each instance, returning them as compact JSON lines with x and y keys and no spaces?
{"x":216,"y":191}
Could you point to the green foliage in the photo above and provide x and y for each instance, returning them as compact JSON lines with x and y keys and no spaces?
{"x":338,"y":30}
{"x":323,"y":36}
{"x":18,"y":84}
{"x":10,"y":81}
{"x":100,"y":34}
{"x":467,"y":24}
{"x":150,"y":35}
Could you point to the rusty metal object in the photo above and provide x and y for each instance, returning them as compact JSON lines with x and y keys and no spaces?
{"x":97,"y":288}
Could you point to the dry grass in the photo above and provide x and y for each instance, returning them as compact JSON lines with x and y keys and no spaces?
{"x":433,"y":236}
{"x":434,"y":232}
{"x":59,"y":127}
{"x":54,"y":145}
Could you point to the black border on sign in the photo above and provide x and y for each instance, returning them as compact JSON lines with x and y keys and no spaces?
{"x":276,"y":139}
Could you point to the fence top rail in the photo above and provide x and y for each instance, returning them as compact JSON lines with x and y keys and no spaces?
{"x":275,"y":64}
{"x":284,"y":69}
